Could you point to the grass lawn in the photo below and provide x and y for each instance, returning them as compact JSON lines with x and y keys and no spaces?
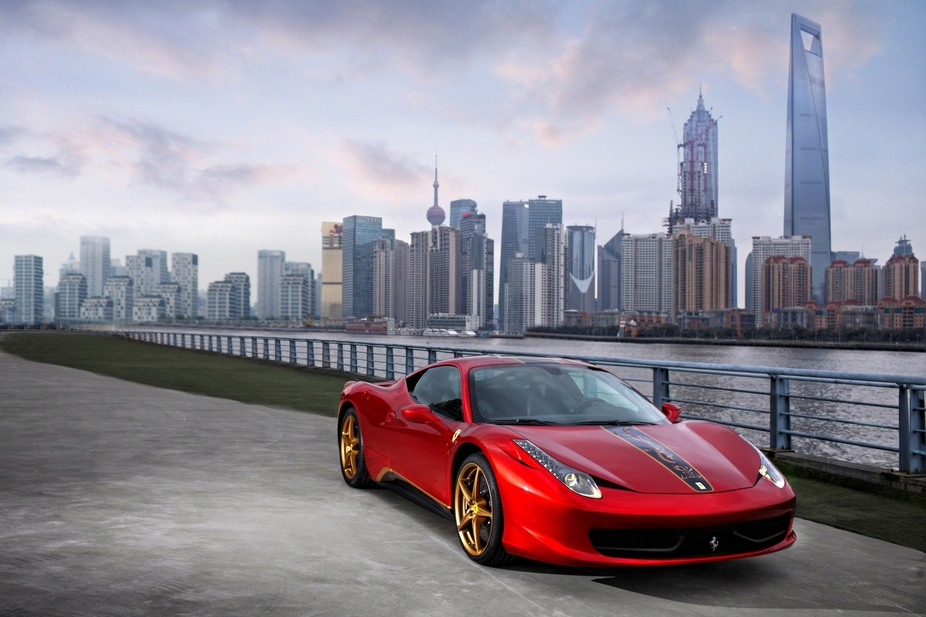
{"x":197,"y":372}
{"x":878,"y":512}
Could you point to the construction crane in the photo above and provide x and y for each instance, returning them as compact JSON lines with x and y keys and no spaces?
{"x":669,"y":222}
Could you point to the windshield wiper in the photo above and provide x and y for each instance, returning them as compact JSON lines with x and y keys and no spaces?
{"x":530,"y":421}
{"x":613,"y":423}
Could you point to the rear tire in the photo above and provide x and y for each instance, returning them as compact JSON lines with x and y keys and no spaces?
{"x":350,"y":444}
{"x":477,"y":510}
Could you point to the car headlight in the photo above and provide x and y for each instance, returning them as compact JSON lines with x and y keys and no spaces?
{"x":575,"y":480}
{"x":766,"y":469}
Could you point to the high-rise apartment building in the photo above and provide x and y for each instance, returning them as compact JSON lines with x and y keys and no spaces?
{"x":269,"y":271}
{"x":140,"y":268}
{"x":222,"y":301}
{"x":609,"y":273}
{"x":901,"y":276}
{"x":148,"y":309}
{"x":785,"y":283}
{"x":515,"y":239}
{"x":580,"y":266}
{"x":700,"y":274}
{"x":923,"y":280}
{"x":697,"y":180}
{"x":383,"y":279}
{"x":721,"y":230}
{"x":552,"y":252}
{"x":646,"y":273}
{"x":332,"y":257}
{"x":95,"y":262}
{"x":858,"y":282}
{"x":444,"y":271}
{"x":121,"y":290}
{"x":242,"y":293}
{"x":807,"y":163}
{"x":458,"y":207}
{"x":185,"y":272}
{"x":28,"y":277}
{"x":402,"y":281}
{"x":523,"y":309}
{"x":295,"y":297}
{"x":97,"y":309}
{"x":419,"y":276}
{"x":72,"y":291}
{"x":158,"y":264}
{"x":359,"y":233}
{"x":764,"y":247}
{"x":172,"y":294}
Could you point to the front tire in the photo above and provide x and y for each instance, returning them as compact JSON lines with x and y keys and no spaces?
{"x":477,"y":510}
{"x":350,"y":443}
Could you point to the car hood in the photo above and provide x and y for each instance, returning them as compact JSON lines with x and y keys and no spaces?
{"x":683,"y":458}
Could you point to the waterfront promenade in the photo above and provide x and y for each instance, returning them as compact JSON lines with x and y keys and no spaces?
{"x":122,"y":499}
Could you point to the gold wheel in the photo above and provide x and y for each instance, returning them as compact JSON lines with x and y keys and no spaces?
{"x":350,"y":446}
{"x":472,"y":506}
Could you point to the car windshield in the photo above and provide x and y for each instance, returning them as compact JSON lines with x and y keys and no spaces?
{"x":555,"y":394}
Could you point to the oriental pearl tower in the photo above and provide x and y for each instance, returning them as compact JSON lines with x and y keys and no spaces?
{"x":436,"y":214}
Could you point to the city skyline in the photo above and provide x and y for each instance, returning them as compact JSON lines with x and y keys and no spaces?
{"x":148,"y":147}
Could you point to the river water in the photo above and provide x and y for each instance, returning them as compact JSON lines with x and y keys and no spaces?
{"x":719,"y":402}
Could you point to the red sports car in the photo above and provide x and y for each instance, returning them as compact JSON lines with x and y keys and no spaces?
{"x":562,"y":462}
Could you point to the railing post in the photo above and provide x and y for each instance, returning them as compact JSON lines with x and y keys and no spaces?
{"x":660,"y":386}
{"x":918,"y":430}
{"x":409,"y":360}
{"x":457,"y":353}
{"x":241,"y":348}
{"x":266,"y":349}
{"x":218,"y":344}
{"x":390,"y":363}
{"x":905,"y":431}
{"x":210,"y":342}
{"x":340,"y":366}
{"x":254,"y":347}
{"x":310,"y":353}
{"x":779,"y":413}
{"x":277,"y":351}
{"x":353,"y":358}
{"x":292,"y":351}
{"x":230,"y":348}
{"x":432,"y":356}
{"x":326,"y":354}
{"x":370,"y":370}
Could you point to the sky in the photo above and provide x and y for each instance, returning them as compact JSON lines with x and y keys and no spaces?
{"x":222,"y":127}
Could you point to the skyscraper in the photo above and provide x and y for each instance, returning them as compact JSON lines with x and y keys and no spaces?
{"x":221,"y":301}
{"x":580,"y":266}
{"x":458,"y":207}
{"x":418,"y":278}
{"x":95,"y":262}
{"x":28,"y":275}
{"x":121,"y":290}
{"x":540,"y":212}
{"x":140,"y":269}
{"x":383,"y":279}
{"x":402,"y":281}
{"x":552,"y":249}
{"x":332,"y":237}
{"x":697,"y":180}
{"x":785,"y":282}
{"x":701,"y":273}
{"x":360,"y":232}
{"x":185,"y":267}
{"x":295,"y":296}
{"x":477,"y":258}
{"x":609,"y":273}
{"x":444,"y":271}
{"x":269,"y":271}
{"x":514,"y":240}
{"x":901,"y":276}
{"x":807,"y":164}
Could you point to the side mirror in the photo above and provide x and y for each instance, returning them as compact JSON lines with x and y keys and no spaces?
{"x":418,"y":414}
{"x":671,"y":411}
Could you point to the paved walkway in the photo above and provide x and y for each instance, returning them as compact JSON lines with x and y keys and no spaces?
{"x":122,"y":499}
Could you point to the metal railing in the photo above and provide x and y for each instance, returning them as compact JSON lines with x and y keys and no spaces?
{"x":873,"y":418}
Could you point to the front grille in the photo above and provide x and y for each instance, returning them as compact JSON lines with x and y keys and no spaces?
{"x":690,"y":542}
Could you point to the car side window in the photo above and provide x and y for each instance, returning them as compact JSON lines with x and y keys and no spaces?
{"x":439,"y":389}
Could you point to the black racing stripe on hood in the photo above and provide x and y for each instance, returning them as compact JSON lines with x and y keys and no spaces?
{"x":664,"y":455}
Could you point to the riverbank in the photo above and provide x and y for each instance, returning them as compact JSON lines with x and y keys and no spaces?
{"x":855,"y":346}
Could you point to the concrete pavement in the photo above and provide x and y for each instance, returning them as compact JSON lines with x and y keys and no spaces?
{"x":122,"y":499}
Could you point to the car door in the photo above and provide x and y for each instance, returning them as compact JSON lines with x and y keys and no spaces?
{"x":419,"y":451}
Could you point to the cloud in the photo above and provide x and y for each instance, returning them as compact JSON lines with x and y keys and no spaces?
{"x":42,"y":165}
{"x":381,"y":169}
{"x":9,"y":134}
